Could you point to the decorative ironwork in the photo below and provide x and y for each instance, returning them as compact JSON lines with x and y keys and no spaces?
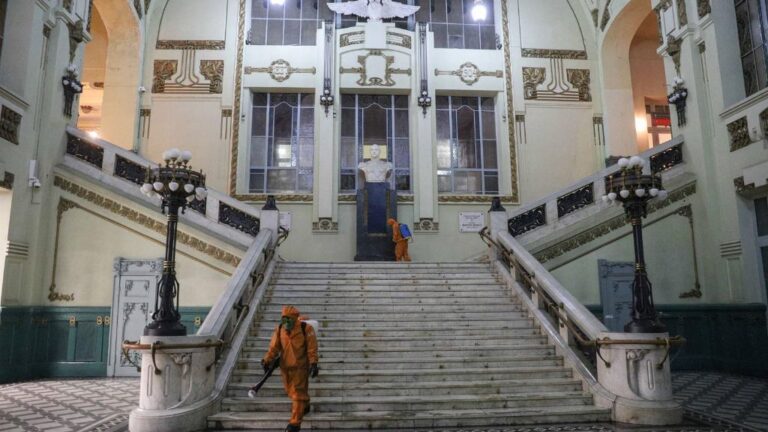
{"x":238,"y":219}
{"x":554,"y":53}
{"x":738,"y":130}
{"x":527,"y":221}
{"x":85,"y":151}
{"x":575,"y":200}
{"x":198,"y":206}
{"x":10,"y":124}
{"x":130,"y":170}
{"x":190,"y":45}
{"x":667,"y":159}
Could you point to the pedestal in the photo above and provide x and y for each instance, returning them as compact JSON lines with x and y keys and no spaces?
{"x":376,"y":203}
{"x":643,"y":389}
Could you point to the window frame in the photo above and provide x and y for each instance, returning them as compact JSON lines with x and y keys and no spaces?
{"x":762,"y":13}
{"x":299,"y":111}
{"x":319,"y":18}
{"x":466,"y":6}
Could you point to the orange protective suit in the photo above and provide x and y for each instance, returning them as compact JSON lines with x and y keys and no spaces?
{"x":401,"y":244}
{"x":297,"y":354}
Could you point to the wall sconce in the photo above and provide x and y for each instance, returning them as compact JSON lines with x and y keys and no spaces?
{"x":72,"y":87}
{"x":678,"y":99}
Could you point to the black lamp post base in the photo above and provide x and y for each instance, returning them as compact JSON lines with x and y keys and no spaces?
{"x":645,"y":326}
{"x":165,"y":328}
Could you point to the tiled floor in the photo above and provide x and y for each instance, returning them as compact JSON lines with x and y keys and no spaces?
{"x":714,"y":402}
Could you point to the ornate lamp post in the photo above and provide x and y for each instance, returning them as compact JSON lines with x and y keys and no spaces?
{"x":633,"y":190}
{"x":177,"y":185}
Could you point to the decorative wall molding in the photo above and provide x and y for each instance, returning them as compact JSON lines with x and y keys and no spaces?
{"x":469,"y":73}
{"x":10,"y":125}
{"x":76,"y":37}
{"x":515,"y":194}
{"x":520,"y":130}
{"x":398,"y":39}
{"x":146,"y":221}
{"x":53,"y":295}
{"x":18,"y":249}
{"x":145,"y":121}
{"x":738,"y":132}
{"x":351,"y":38}
{"x":730,"y":249}
{"x":606,"y":15}
{"x":748,"y":189}
{"x":682,"y":13}
{"x":599,"y":130}
{"x":704,"y":8}
{"x":374,"y":81}
{"x":473,"y":199}
{"x":686,"y":211}
{"x":278,"y":198}
{"x":225,"y":127}
{"x":573,"y":242}
{"x":279,"y":70}
{"x":564,"y":84}
{"x":210,"y":45}
{"x":187,"y":81}
{"x":426,"y":225}
{"x":554,"y":53}
{"x":325,"y":225}
{"x":235,"y":150}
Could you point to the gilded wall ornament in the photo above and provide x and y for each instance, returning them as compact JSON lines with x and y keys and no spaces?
{"x":213,"y":70}
{"x":473,"y":199}
{"x":606,"y":15}
{"x":68,"y":4}
{"x":398,"y":39}
{"x":210,"y":45}
{"x":155,"y":225}
{"x":764,"y":122}
{"x":554,"y":53}
{"x":54,"y":295}
{"x":749,"y":189}
{"x":76,"y":37}
{"x":235,"y":150}
{"x":351,"y":38}
{"x":279,"y":70}
{"x":581,"y":80}
{"x":10,"y":125}
{"x":252,"y":198}
{"x":738,"y":131}
{"x":510,"y":106}
{"x":704,"y":7}
{"x":426,"y":224}
{"x":532,"y":78}
{"x":162,"y":72}
{"x":469,"y":73}
{"x":374,"y":81}
{"x":325,"y":225}
{"x":137,"y":7}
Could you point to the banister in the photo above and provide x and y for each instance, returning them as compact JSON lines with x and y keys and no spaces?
{"x":574,"y":310}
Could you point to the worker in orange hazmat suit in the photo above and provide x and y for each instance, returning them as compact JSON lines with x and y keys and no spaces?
{"x":296,"y":344}
{"x":401,"y":243}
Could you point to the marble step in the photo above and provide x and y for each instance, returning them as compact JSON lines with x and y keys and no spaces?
{"x":376,"y":318}
{"x":412,"y":292}
{"x":445,"y":332}
{"x":363,"y":376}
{"x":426,"y":353}
{"x":394,"y":301}
{"x":411,"y":403}
{"x":405,"y":323}
{"x":274,"y":388}
{"x":401,"y":420}
{"x":464,"y":362}
{"x":390,"y":275}
{"x":365,"y":265}
{"x":319,"y":310}
{"x":361,"y":343}
{"x":387,"y":282}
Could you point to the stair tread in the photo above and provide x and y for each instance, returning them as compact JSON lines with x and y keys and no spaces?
{"x":426,"y":384}
{"x":416,"y":399}
{"x":422,"y":372}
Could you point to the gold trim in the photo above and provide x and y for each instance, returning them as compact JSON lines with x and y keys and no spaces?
{"x":351,"y":38}
{"x":325,"y":225}
{"x":278,"y":198}
{"x":450,"y":199}
{"x":214,"y":45}
{"x":279,"y":70}
{"x":554,"y":53}
{"x":515,"y":197}
{"x":426,"y":225}
{"x":54,"y":295}
{"x":387,"y":81}
{"x":584,"y":237}
{"x":238,"y":97}
{"x":398,"y":39}
{"x":146,"y":221}
{"x":469,"y":73}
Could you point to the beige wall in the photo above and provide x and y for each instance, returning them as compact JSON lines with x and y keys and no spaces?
{"x":648,"y":80}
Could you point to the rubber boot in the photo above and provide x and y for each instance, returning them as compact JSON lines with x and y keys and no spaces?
{"x":292,"y":428}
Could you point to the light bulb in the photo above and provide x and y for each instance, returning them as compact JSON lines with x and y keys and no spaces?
{"x":190,"y":198}
{"x":636,"y":161}
{"x":663,"y":194}
{"x":654,"y":192}
{"x":186,"y":155}
{"x":479,"y":11}
{"x":173,"y":186}
{"x":640,"y":192}
{"x":174,"y":153}
{"x":624,"y":193}
{"x":612,"y":196}
{"x":189,"y":188}
{"x":606,"y":199}
{"x":158,"y":186}
{"x":623,"y":162}
{"x":277,"y":2}
{"x":146,"y":188}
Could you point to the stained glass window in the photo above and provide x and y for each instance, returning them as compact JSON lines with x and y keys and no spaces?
{"x":466,"y":145}
{"x":453,"y":26}
{"x":295,"y":22}
{"x":375,"y":119}
{"x":282,"y":142}
{"x":753,"y":43}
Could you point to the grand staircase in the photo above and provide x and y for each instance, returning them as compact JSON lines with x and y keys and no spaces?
{"x":408,"y":345}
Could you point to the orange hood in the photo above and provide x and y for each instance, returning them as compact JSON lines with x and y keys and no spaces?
{"x":290,"y":311}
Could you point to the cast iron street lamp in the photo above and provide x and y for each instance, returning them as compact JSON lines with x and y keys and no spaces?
{"x":633,"y":190}
{"x":177,"y":185}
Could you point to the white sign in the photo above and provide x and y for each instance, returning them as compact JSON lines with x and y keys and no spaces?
{"x":471,"y":222}
{"x":285,"y":220}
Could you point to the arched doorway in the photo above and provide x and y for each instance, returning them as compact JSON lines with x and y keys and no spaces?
{"x":111,"y":73}
{"x":636,"y":112}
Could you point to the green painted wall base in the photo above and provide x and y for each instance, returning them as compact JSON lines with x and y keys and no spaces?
{"x":42,"y":342}
{"x":720,"y":337}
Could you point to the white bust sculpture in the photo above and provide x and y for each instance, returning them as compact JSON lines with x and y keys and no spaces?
{"x":375,"y":170}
